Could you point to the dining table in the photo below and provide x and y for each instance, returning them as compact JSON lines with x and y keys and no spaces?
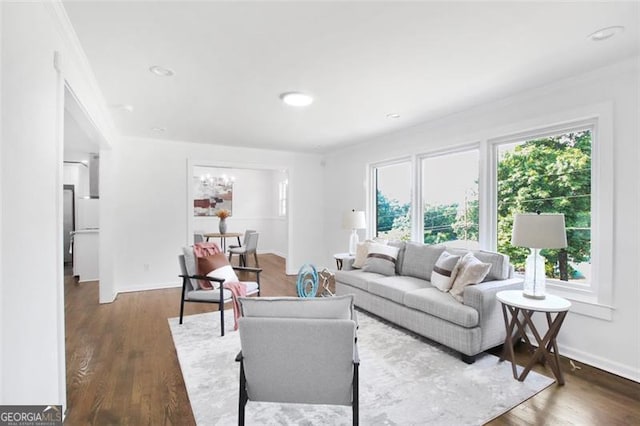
{"x":223,"y":238}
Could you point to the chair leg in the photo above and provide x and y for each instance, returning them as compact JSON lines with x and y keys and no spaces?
{"x":255,"y":256}
{"x":243,"y":398}
{"x":184,"y":289}
{"x":221,"y":307}
{"x":355,"y":407}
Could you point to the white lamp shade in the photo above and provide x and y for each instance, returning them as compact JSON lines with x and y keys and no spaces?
{"x":539,"y":231}
{"x":354,"y":220}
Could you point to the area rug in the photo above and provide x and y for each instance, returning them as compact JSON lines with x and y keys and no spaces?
{"x":404,"y":380}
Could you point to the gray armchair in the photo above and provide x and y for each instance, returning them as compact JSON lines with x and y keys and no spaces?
{"x":298,"y":351}
{"x":191,"y":291}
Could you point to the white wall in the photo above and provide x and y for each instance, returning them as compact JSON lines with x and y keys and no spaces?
{"x":611,"y":345}
{"x":151,"y":208}
{"x":31,"y":352}
{"x":32,"y":360}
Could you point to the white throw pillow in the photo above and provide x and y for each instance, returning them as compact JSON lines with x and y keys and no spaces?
{"x":362,"y":250}
{"x":226,"y":273}
{"x":381,"y":259}
{"x":444,"y":271}
{"x":470,"y":272}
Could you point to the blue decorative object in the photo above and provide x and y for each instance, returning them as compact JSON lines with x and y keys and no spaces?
{"x":307,"y":281}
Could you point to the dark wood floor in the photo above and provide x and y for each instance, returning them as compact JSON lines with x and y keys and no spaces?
{"x":122,"y":367}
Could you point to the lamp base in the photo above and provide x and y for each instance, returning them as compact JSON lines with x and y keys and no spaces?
{"x":534,"y":276}
{"x":353,"y":242}
{"x":534,"y":296}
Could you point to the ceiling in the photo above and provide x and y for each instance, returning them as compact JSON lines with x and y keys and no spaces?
{"x":360,"y":60}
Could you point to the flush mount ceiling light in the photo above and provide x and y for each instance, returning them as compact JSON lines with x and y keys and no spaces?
{"x":158,"y":129}
{"x":606,"y":33}
{"x":161,"y":71}
{"x":296,"y":99}
{"x":393,"y":115}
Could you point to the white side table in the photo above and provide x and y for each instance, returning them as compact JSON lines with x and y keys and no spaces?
{"x":521,"y":310}
{"x":341,"y":257}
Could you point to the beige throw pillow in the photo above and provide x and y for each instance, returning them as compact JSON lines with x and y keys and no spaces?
{"x":470,"y":272}
{"x":362,"y":250}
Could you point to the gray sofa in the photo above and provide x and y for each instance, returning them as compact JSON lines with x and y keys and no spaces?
{"x":409,"y":300}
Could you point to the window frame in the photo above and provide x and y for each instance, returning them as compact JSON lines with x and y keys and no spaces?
{"x":372,"y":219}
{"x":419,"y":180}
{"x":593,"y":299}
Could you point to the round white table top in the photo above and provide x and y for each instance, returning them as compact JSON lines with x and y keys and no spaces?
{"x":550,"y":303}
{"x":344,"y":256}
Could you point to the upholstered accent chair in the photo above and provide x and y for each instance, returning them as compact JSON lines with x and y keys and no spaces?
{"x":191,"y":291}
{"x":298,"y":351}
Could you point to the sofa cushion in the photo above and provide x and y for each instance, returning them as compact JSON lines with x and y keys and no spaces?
{"x":213,"y":295}
{"x":394,"y":288}
{"x":442,"y":305}
{"x":356,"y":278}
{"x":381,"y":259}
{"x":419,"y":259}
{"x":470,"y":272}
{"x":500,"y":267}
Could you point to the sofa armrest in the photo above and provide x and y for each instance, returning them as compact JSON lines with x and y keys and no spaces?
{"x":482,"y":296}
{"x":347,"y":264}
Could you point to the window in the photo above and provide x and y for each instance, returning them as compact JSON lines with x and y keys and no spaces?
{"x":550,"y":174}
{"x":392,"y":184}
{"x":450,"y":197}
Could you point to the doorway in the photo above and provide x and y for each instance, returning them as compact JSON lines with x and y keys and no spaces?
{"x":68,"y":224}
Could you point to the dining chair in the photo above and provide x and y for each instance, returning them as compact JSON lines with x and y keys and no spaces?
{"x":245,"y":239}
{"x":250,"y":247}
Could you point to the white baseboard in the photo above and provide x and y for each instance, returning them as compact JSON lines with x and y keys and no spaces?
{"x":626,"y":371}
{"x":146,"y":287}
{"x":622,"y":370}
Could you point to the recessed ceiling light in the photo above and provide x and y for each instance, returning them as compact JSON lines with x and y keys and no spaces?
{"x":393,"y":115}
{"x":158,"y":129}
{"x":296,"y":99}
{"x":606,"y":33}
{"x":161,"y":71}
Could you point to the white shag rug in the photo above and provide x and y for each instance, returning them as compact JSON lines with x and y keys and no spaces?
{"x":404,"y":380}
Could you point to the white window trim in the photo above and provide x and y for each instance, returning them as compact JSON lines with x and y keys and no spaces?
{"x":596,"y":298}
{"x":371,"y":202}
{"x":418,"y":225}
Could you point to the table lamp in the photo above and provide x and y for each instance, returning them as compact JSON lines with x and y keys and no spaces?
{"x":354,"y":220}
{"x":537,"y":231}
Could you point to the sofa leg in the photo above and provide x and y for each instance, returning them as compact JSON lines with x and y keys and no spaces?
{"x":469,"y":359}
